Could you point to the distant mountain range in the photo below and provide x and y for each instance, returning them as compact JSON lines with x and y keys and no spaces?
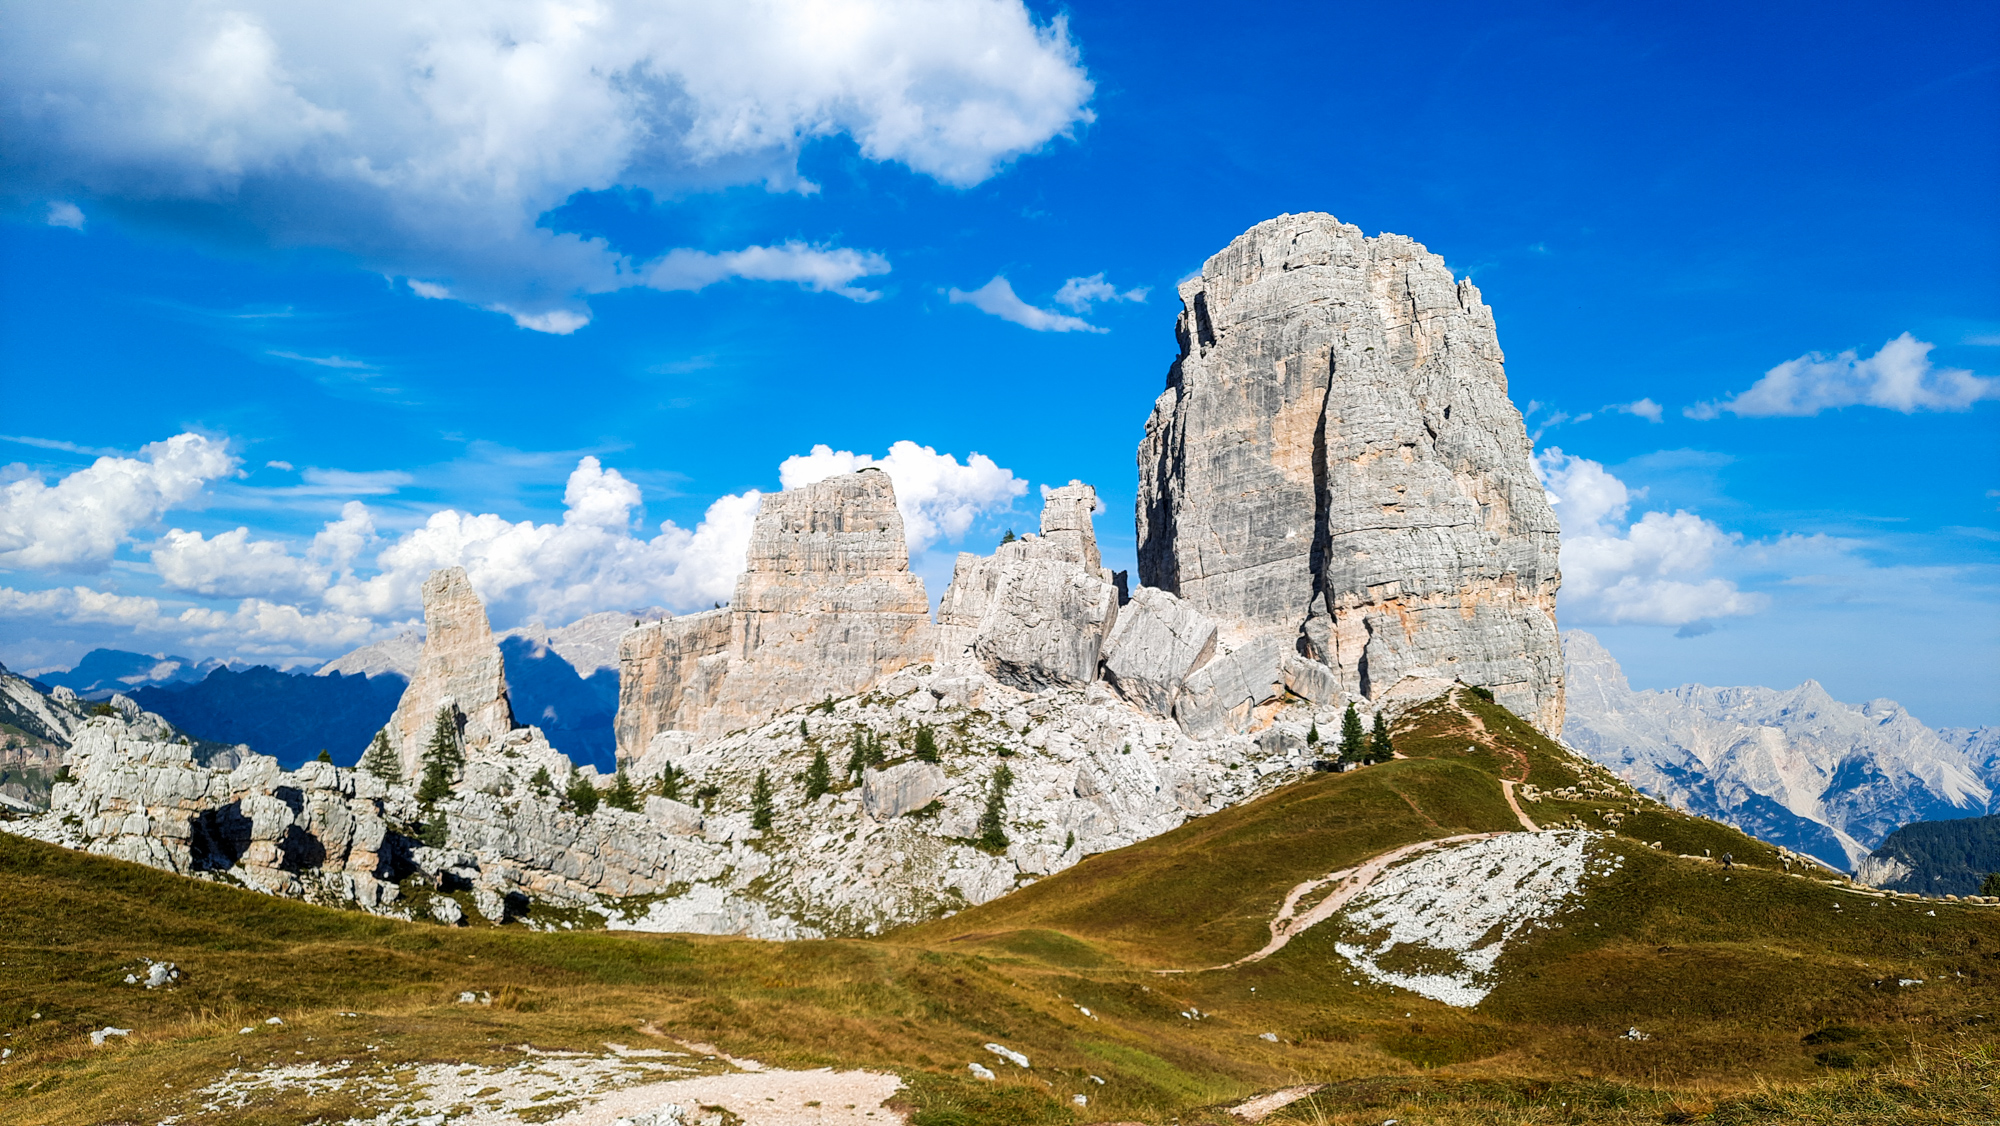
{"x":1794,"y":767}
{"x":564,"y":681}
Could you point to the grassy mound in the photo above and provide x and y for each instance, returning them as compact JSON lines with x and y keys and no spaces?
{"x":1676,"y":991}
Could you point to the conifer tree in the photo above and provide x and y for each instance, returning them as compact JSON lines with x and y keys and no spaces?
{"x":819,"y":776}
{"x":1379,"y":748}
{"x":1312,"y":734}
{"x":380,"y":761}
{"x":992,"y":821}
{"x":623,"y":794}
{"x":436,"y":832}
{"x":441,"y":759}
{"x":858,"y":761}
{"x":1009,"y":537}
{"x":668,"y":784}
{"x":760,"y":802}
{"x":925,"y":745}
{"x":583,"y":797}
{"x":324,"y":756}
{"x":541,"y":782}
{"x":1353,"y":745}
{"x":1992,"y":884}
{"x":803,"y":733}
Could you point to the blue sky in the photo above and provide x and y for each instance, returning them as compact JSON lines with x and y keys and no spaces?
{"x":223,"y":223}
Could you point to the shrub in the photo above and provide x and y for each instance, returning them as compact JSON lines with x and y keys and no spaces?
{"x":436,"y":832}
{"x":668,"y":784}
{"x":541,"y":783}
{"x":925,"y":745}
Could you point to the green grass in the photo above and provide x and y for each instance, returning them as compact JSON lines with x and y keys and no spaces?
{"x":1760,"y":1001}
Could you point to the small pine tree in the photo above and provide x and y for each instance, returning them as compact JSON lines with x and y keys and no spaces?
{"x":925,"y":745}
{"x":1312,"y":735}
{"x":436,"y":832}
{"x":803,"y":733}
{"x":1992,"y":884}
{"x":858,"y":761}
{"x":436,"y":784}
{"x":992,"y":820}
{"x":623,"y":794}
{"x":668,"y":783}
{"x":760,"y":803}
{"x":819,"y":775}
{"x":1379,"y":748}
{"x":1009,"y":537}
{"x":441,"y":759}
{"x":1353,"y":745}
{"x":324,"y":756}
{"x":541,"y":782}
{"x":583,"y":797}
{"x":380,"y":761}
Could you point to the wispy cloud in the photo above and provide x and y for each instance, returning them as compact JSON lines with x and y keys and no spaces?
{"x":58,"y":444}
{"x":340,"y":362}
{"x":64,"y":214}
{"x":998,"y":298}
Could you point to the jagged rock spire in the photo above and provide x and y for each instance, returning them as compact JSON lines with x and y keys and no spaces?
{"x":460,"y":666}
{"x":1335,"y":467}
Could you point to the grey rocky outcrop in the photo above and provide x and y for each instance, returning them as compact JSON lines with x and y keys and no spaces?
{"x":1335,"y":464}
{"x":459,"y":667}
{"x":668,"y":672}
{"x":1035,"y":613}
{"x":1157,"y":641}
{"x":826,"y":605}
{"x":895,"y":790}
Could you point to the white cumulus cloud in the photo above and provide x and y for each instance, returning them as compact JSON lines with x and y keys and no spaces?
{"x":1650,"y":571}
{"x":820,"y":268}
{"x":1898,"y":377}
{"x":428,"y":137}
{"x":1079,"y":294}
{"x":937,"y":497}
{"x":82,"y":519}
{"x":998,"y":298}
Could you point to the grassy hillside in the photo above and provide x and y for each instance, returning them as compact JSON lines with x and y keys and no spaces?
{"x":1762,"y":996}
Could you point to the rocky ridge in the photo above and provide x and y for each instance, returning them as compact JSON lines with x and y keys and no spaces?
{"x":1048,"y":714}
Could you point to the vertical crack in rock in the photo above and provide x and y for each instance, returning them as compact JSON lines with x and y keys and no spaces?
{"x":1336,"y":464}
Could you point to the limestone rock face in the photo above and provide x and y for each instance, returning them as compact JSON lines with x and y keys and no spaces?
{"x":461,"y":666}
{"x":1158,"y":640}
{"x":1335,"y":464}
{"x":826,"y":606}
{"x":1035,"y":613}
{"x":668,"y":672}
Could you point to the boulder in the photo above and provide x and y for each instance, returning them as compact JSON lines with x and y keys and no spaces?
{"x":1335,"y":463}
{"x":891,"y":792}
{"x":1221,"y":696}
{"x":1158,"y":640}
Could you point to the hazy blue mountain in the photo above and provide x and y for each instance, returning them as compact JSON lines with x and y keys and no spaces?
{"x":289,"y":716}
{"x":104,"y":671}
